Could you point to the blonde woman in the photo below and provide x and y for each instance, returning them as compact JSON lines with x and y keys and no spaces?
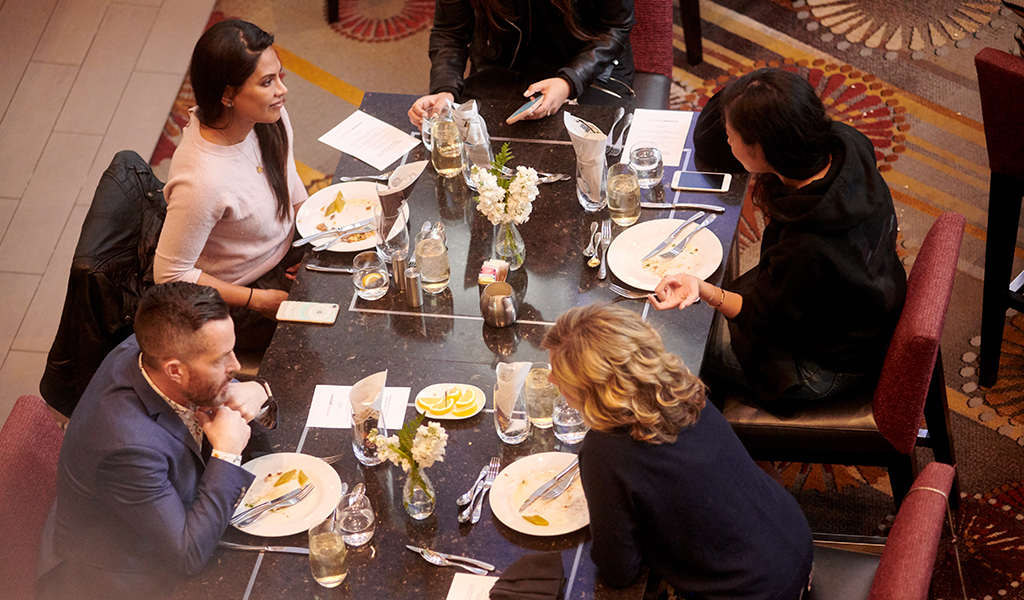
{"x":668,"y":483}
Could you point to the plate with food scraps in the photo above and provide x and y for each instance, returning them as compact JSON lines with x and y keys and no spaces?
{"x":558,"y":516}
{"x":450,"y":401}
{"x":278,"y":474}
{"x":339,"y":205}
{"x":701,"y":257}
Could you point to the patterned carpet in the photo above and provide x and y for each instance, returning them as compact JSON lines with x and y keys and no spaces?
{"x":899,"y":70}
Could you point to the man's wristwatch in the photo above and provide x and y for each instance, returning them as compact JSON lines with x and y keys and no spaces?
{"x":267,"y":416}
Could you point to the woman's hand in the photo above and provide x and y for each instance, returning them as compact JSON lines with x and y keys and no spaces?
{"x":292,"y":272}
{"x":266,"y":302}
{"x":425,"y":106}
{"x":555,"y":91}
{"x":675,"y":291}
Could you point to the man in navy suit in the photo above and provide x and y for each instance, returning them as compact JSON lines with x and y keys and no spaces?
{"x":149,"y":471}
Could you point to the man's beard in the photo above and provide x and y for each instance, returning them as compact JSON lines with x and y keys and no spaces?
{"x":210,"y":396}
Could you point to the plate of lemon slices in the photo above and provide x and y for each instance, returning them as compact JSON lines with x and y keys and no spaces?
{"x":449,"y":401}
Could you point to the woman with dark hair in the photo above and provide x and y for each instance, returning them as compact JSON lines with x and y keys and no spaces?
{"x":814,"y":318}
{"x":233,"y":189}
{"x":560,"y":49}
{"x":667,"y":482}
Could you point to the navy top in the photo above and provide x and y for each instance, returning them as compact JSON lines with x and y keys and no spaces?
{"x":698,"y":512}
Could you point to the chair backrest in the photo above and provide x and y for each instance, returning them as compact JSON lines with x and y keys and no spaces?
{"x":651,"y":37}
{"x":905,"y":569}
{"x":899,"y":398}
{"x":29,"y":447}
{"x":1001,"y":86}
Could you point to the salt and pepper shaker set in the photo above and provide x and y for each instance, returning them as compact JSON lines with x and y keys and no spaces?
{"x":407,"y":278}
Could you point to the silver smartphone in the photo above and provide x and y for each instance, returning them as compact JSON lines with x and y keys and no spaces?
{"x":691,"y":181}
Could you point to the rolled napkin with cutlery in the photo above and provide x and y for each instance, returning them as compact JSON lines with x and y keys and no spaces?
{"x":366,"y":398}
{"x":532,"y":577}
{"x":475,"y":139}
{"x":591,"y":167}
{"x":511,"y":420}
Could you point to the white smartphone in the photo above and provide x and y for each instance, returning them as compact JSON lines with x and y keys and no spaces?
{"x":521,"y":111}
{"x":308,"y":312}
{"x":691,"y":181}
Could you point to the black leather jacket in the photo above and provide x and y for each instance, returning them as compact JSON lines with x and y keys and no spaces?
{"x":112,"y":267}
{"x":535,"y":42}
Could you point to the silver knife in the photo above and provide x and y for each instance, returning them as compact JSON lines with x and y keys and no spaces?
{"x":466,"y":559}
{"x":682,"y":206}
{"x":673,"y":235}
{"x":287,"y":549}
{"x":676,"y":249}
{"x":329,"y":269}
{"x":548,"y":485}
{"x":335,"y":231}
{"x":259,"y":509}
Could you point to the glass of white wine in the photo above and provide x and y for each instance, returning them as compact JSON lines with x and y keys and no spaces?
{"x":446,"y":153}
{"x":327,"y":553}
{"x":623,"y":194}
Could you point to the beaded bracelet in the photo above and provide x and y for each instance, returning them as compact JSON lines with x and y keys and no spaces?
{"x":249,"y":300}
{"x":720,"y":302}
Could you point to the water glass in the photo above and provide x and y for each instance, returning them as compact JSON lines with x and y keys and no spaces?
{"x":370,"y":276}
{"x":446,"y":150}
{"x":327,"y":553}
{"x":541,"y":395}
{"x":645,"y":158}
{"x":623,"y":195}
{"x":432,"y":260}
{"x":569,"y":425}
{"x":587,"y":175}
{"x":393,"y":239}
{"x":356,"y":520}
{"x":365,"y":450}
{"x":514,"y":427}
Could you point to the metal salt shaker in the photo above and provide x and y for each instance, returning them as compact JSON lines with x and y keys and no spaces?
{"x":399,"y":263}
{"x":413,"y":287}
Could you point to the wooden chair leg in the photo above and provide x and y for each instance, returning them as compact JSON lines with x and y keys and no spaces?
{"x":901,"y":477}
{"x":690,"y":16}
{"x":940,"y":435}
{"x":1004,"y":202}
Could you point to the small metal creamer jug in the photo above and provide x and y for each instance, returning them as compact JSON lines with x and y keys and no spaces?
{"x":499,"y":305}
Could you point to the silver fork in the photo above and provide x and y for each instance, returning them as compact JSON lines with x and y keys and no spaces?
{"x":303,"y":493}
{"x":616,"y":148}
{"x":631,"y":294}
{"x":476,"y":503}
{"x":381,"y":177}
{"x":606,"y":240}
{"x":563,"y":485}
{"x":675,"y":250}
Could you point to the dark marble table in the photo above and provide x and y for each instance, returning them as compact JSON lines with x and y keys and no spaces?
{"x":446,"y":340}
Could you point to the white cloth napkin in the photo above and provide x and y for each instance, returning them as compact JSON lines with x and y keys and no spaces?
{"x":511,"y":381}
{"x":474,"y":134}
{"x":589,"y":142}
{"x":366,"y":396}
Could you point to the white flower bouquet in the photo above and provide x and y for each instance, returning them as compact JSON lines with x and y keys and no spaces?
{"x":505,"y":197}
{"x":414,"y":447}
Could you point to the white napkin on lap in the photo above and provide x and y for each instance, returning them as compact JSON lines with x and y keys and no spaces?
{"x":589,"y":143}
{"x":511,"y":381}
{"x":366,"y":396}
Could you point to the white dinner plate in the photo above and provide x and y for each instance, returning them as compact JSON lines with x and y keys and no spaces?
{"x":360,"y":198}
{"x":440,"y":388}
{"x":702,"y":257}
{"x":300,"y":517}
{"x":516,"y":482}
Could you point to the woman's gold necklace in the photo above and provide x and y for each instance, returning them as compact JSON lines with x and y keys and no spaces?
{"x":259,"y":168}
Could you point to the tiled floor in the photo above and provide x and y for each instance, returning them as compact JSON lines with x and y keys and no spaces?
{"x":79,"y":81}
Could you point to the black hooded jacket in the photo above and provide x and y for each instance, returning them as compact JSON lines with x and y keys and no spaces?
{"x":829,"y":286}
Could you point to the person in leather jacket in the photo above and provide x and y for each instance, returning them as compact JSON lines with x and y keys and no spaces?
{"x":561,"y":49}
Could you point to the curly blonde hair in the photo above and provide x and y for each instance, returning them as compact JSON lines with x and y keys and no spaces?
{"x":615,"y":365}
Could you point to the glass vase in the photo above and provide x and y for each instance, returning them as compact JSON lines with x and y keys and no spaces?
{"x":509,"y":245}
{"x":418,"y":495}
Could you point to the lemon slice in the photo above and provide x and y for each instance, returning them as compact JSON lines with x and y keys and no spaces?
{"x":464,"y":411}
{"x":446,"y":406}
{"x":425,"y":403}
{"x":453,"y":393}
{"x":468,"y":399}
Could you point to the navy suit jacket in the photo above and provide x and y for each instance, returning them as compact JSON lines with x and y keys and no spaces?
{"x":137,"y":506}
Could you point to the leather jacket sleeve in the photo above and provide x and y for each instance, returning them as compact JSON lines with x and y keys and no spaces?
{"x":454,"y":24}
{"x":614,"y":25}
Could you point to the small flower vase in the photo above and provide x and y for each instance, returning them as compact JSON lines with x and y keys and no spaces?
{"x":509,"y":245}
{"x":418,"y":495}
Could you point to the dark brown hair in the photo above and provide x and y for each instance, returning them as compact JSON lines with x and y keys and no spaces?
{"x":169,"y":314}
{"x":496,"y":11}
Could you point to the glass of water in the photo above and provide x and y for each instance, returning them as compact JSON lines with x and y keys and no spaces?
{"x":370,"y":276}
{"x":392,"y":233}
{"x":356,"y":520}
{"x":541,"y":395}
{"x":327,"y":553}
{"x":569,"y":425}
{"x":623,"y":194}
{"x":432,"y":260}
{"x":446,"y":150}
{"x":645,"y":158}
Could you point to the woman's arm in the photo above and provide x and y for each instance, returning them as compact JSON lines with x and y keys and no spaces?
{"x":680,"y":291}
{"x":265,"y":302}
{"x":616,"y":21}
{"x":454,"y":23}
{"x":613,"y":522}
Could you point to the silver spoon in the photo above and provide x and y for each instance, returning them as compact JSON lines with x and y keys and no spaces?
{"x":357,"y":494}
{"x":433,"y":557}
{"x":589,"y":251}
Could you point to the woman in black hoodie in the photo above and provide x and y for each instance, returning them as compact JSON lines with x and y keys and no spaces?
{"x":814,"y":317}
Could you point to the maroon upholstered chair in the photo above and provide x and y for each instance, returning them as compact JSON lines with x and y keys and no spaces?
{"x":29,"y":446}
{"x":1001,"y":84}
{"x":904,"y":570}
{"x":883,"y":428}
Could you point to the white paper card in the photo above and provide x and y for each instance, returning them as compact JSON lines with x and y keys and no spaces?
{"x":331,"y":408}
{"x":370,"y":140}
{"x":471,"y":587}
{"x":666,"y":128}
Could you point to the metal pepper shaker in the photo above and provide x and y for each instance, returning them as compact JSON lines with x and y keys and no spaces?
{"x":399,"y":263}
{"x":413,"y":287}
